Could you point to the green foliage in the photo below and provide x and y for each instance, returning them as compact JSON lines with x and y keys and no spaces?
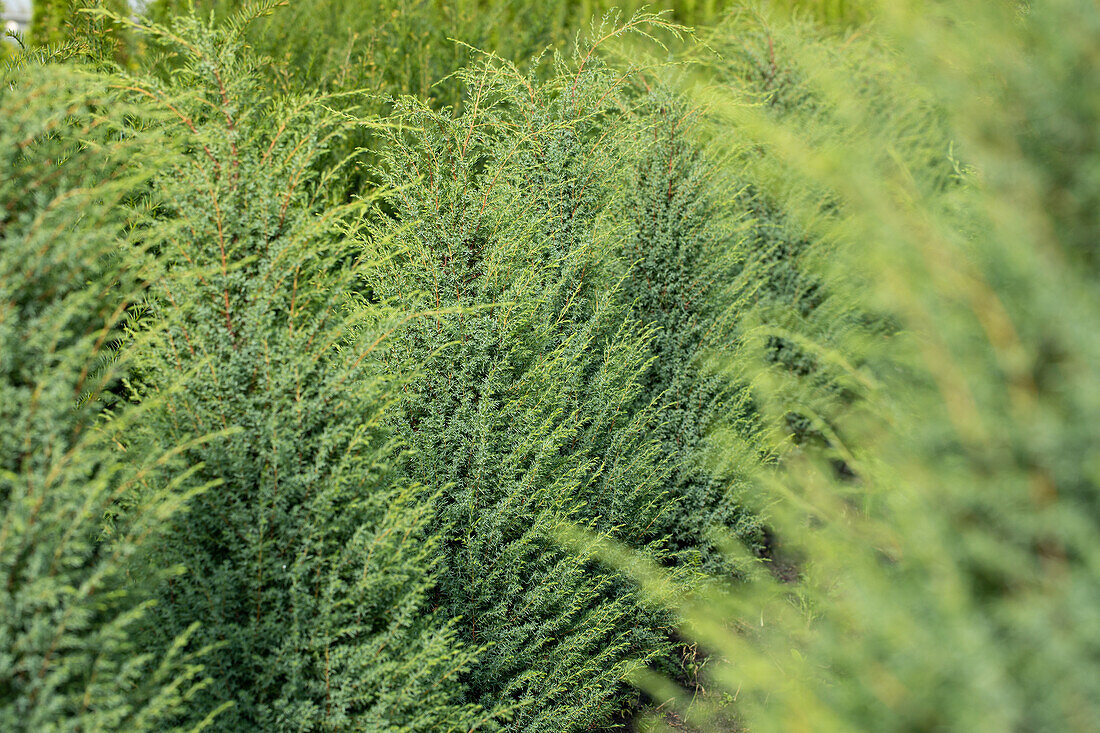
{"x":414,"y":47}
{"x":307,"y":568}
{"x":75,"y":513}
{"x":723,"y":268}
{"x":525,"y":377}
{"x":686,"y":247}
{"x":76,"y":22}
{"x":390,"y":48}
{"x":5,"y":38}
{"x":828,"y":13}
{"x":322,"y":328}
{"x":949,"y":581}
{"x":48,"y":21}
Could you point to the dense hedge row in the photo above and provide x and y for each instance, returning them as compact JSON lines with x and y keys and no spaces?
{"x":337,"y":353}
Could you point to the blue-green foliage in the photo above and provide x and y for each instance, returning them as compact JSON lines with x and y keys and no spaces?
{"x":308,"y":565}
{"x":74,"y":516}
{"x":524,"y":376}
{"x":782,"y":302}
{"x":412,"y":400}
{"x":688,"y":242}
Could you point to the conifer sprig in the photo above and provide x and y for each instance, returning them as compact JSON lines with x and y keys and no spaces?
{"x":76,"y":516}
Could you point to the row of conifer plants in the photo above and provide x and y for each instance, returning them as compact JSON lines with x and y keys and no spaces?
{"x":366,"y":415}
{"x":337,"y":357}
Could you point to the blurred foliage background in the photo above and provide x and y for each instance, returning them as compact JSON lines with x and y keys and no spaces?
{"x":947,"y":576}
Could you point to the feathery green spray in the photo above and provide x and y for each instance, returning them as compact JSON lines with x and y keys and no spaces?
{"x":522,"y":400}
{"x":308,"y":567}
{"x":77,"y":513}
